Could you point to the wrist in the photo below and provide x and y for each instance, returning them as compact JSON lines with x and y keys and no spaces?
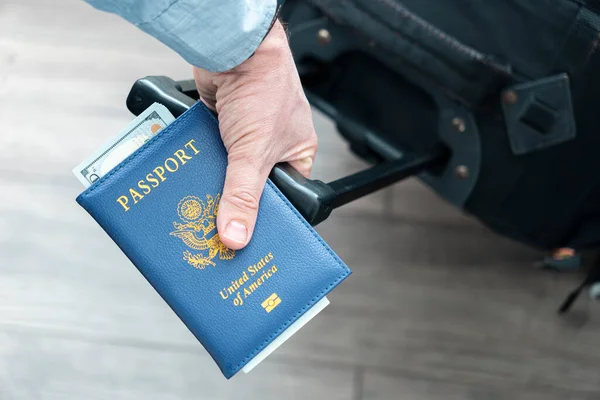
{"x":272,"y":52}
{"x":276,"y":39}
{"x":271,"y":55}
{"x":274,"y":42}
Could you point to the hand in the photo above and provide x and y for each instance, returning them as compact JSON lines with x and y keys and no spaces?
{"x":264,"y":119}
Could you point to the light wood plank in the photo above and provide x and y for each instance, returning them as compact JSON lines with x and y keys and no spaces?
{"x":72,"y":23}
{"x":385,"y":387}
{"x":37,"y":367}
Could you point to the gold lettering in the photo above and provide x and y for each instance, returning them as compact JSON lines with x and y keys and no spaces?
{"x":192,"y":146}
{"x":123,"y":200}
{"x":135,"y":195}
{"x":224,"y":294}
{"x":144,"y":186}
{"x":268,"y":273}
{"x":182,"y":156}
{"x":150,"y":178}
{"x":174,"y":162}
{"x":270,"y":255}
{"x":238,"y":300}
{"x":160,"y":174}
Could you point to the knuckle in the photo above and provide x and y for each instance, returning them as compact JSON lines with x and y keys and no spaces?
{"x":244,"y":200}
{"x":252,"y":157}
{"x":240,"y":158}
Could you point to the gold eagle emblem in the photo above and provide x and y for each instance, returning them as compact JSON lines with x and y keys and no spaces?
{"x":197,"y":230}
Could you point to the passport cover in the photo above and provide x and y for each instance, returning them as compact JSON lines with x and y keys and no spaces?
{"x":160,"y":206}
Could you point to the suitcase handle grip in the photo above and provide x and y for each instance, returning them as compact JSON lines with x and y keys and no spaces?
{"x":314,"y":199}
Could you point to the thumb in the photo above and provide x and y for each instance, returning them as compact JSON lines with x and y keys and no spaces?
{"x":238,"y":208}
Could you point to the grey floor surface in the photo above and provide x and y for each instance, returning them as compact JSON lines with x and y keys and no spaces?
{"x":437,"y":308}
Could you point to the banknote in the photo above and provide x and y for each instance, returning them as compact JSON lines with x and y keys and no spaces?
{"x":138,"y":132}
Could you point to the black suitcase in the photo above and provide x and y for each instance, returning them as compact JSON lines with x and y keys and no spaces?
{"x":507,"y":85}
{"x":491,"y":103}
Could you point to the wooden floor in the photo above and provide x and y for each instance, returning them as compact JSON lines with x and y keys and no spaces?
{"x":437,"y":308}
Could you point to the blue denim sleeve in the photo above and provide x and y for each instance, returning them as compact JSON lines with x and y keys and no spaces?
{"x":216,"y":35}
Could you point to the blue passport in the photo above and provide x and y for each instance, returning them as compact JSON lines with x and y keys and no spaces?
{"x":160,"y":207}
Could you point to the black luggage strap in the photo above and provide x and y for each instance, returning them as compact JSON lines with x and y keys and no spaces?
{"x":582,"y":42}
{"x":592,"y":278}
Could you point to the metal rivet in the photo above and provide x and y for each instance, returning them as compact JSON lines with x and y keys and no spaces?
{"x":510,"y":97}
{"x":323,"y":36}
{"x":459,"y":124}
{"x":462,"y":171}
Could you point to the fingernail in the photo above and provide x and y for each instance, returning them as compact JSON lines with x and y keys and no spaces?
{"x":237,"y":232}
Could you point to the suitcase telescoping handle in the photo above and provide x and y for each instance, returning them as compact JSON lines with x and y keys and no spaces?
{"x":314,"y":199}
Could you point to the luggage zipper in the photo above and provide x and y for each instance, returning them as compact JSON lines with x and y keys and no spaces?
{"x":470,"y":52}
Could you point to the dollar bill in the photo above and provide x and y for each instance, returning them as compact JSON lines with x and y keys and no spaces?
{"x":139,"y":131}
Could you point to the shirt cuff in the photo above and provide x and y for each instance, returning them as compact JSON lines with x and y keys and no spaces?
{"x":275,"y":17}
{"x":218,"y":38}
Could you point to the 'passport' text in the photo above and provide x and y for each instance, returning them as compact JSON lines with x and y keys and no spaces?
{"x":158,"y":175}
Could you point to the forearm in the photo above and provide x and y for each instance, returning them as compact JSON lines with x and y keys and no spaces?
{"x":215,"y":35}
